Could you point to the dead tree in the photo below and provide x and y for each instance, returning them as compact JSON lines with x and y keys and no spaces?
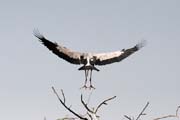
{"x":91,"y":113}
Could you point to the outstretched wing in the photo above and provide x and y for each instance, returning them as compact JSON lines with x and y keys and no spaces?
{"x":117,"y":56}
{"x":61,"y":51}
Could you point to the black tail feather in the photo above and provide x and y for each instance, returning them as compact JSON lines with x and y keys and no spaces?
{"x":88,"y":68}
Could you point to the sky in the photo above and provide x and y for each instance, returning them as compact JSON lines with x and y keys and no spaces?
{"x":28,"y":70}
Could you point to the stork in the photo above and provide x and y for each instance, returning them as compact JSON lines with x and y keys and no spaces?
{"x":88,"y":60}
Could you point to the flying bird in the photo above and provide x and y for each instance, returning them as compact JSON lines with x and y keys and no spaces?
{"x":88,"y":60}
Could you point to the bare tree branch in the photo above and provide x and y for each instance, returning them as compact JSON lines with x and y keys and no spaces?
{"x":63,"y":103}
{"x":142,"y":112}
{"x":127,"y":117}
{"x":104,"y":103}
{"x":90,"y":116}
{"x":64,"y":100}
{"x":170,"y":116}
{"x":85,"y":105}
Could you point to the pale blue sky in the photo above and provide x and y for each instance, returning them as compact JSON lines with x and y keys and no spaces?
{"x":28,"y":69}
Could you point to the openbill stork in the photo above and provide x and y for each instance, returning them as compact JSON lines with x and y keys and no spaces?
{"x":88,"y":60}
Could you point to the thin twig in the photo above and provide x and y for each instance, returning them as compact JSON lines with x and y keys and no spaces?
{"x":104,"y":103}
{"x":89,"y":116}
{"x":142,"y":112}
{"x":63,"y":103}
{"x":85,"y":105}
{"x":169,"y":116}
{"x":64,"y":99}
{"x":127,"y":117}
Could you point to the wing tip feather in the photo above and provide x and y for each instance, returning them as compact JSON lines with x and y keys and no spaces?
{"x":141,"y":44}
{"x":38,"y":34}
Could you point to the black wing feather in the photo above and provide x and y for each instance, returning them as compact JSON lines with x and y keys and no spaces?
{"x":62,"y":52}
{"x":118,"y":55}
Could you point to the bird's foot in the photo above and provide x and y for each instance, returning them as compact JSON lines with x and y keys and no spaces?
{"x":84,"y":87}
{"x":91,"y":87}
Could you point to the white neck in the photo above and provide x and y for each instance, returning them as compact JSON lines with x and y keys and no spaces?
{"x":88,"y":62}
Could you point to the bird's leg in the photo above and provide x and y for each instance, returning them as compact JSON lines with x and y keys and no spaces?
{"x":86,"y":75}
{"x":90,"y":80}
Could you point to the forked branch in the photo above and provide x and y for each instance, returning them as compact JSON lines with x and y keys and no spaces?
{"x":64,"y":104}
{"x":140,"y":114}
{"x":92,"y":113}
{"x":104,"y":103}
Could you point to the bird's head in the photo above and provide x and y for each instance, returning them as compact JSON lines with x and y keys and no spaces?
{"x":92,"y":60}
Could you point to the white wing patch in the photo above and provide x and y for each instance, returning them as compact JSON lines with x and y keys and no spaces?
{"x":109,"y":55}
{"x":70,"y":53}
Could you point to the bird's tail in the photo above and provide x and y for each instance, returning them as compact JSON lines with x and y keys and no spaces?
{"x":88,"y":68}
